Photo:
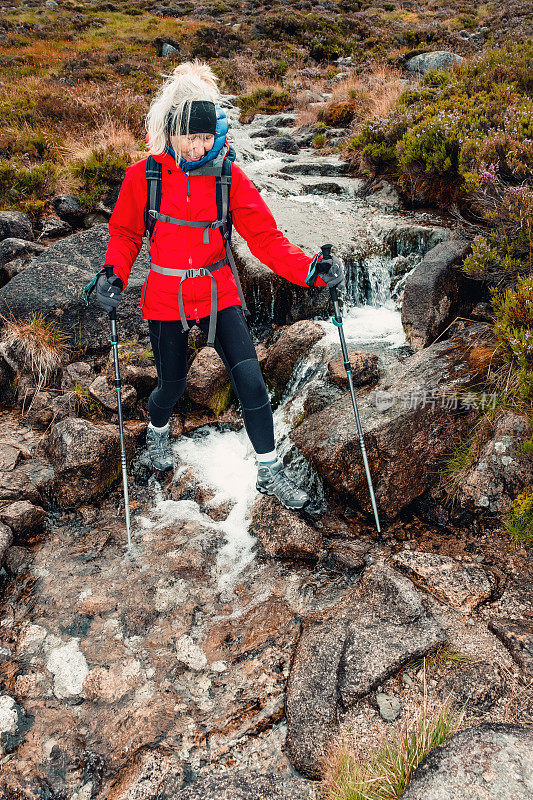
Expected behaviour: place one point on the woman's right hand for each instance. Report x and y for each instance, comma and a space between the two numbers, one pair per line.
108, 291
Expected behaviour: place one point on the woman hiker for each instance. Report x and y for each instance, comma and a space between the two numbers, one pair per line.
191, 279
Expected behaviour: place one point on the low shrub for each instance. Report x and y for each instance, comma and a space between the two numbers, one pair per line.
519, 520
263, 100
513, 313
101, 169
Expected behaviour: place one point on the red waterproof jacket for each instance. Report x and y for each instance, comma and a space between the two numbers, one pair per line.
194, 198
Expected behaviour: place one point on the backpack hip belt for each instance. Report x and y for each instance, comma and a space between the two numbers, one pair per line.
185, 274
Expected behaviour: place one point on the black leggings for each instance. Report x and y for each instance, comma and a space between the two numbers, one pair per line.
234, 345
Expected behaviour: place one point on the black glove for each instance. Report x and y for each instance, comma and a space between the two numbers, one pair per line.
331, 271
108, 291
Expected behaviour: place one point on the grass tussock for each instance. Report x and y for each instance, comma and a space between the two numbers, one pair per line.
519, 521
384, 772
37, 345
440, 658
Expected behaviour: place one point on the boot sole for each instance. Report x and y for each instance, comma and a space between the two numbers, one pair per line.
289, 508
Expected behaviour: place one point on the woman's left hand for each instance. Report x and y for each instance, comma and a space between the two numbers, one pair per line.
331, 270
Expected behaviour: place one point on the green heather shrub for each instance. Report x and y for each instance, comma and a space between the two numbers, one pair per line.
103, 168
263, 100
508, 246
23, 188
319, 140
519, 520
440, 138
513, 313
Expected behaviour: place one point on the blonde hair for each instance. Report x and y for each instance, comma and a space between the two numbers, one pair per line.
192, 80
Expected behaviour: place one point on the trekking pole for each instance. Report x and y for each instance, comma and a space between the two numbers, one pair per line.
118, 386
337, 321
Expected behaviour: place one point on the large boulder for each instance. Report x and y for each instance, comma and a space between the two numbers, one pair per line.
490, 762
19, 251
208, 382
346, 652
53, 284
437, 291
86, 458
437, 59
406, 425
501, 470
15, 225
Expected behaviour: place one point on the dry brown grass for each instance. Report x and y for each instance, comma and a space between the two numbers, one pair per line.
373, 94
37, 345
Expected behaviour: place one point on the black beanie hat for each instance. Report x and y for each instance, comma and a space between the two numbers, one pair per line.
203, 118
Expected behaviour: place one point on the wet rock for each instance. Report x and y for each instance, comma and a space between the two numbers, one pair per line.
53, 284
461, 585
208, 382
69, 209
364, 369
282, 144
69, 667
501, 470
384, 196
347, 557
22, 516
154, 773
346, 652
86, 458
77, 374
389, 707
17, 559
329, 166
106, 395
406, 425
15, 225
517, 636
478, 686
320, 396
437, 59
6, 540
436, 292
48, 407
248, 786
291, 345
282, 533
19, 250
53, 227
489, 762
12, 724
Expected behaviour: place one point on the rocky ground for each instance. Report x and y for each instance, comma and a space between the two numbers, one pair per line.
226, 651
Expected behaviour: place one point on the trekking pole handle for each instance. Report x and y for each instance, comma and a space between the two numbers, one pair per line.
109, 274
326, 253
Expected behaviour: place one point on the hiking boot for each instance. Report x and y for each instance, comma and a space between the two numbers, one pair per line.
272, 480
159, 449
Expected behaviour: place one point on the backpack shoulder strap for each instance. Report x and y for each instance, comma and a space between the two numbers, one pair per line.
223, 188
153, 182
